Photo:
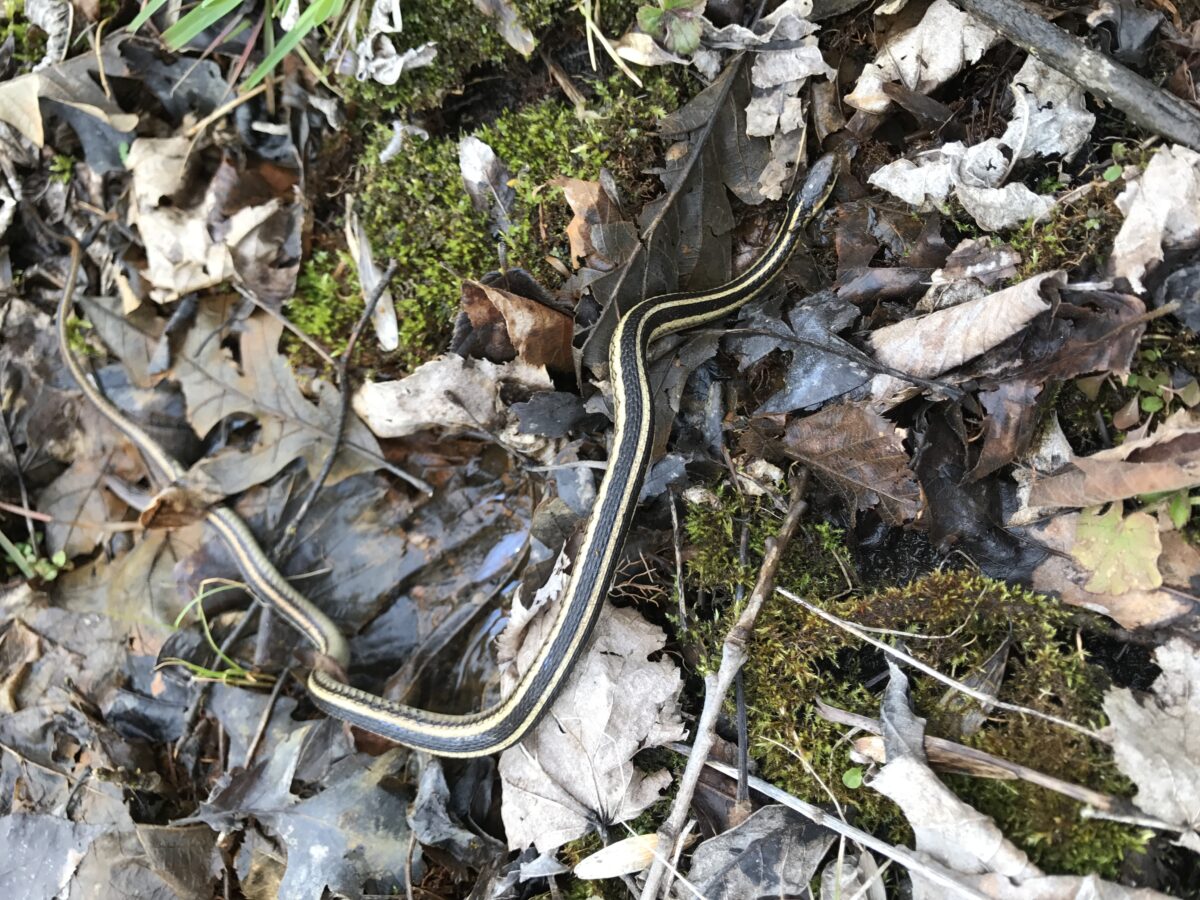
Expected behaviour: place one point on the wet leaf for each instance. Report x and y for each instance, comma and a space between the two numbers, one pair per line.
862, 455
774, 853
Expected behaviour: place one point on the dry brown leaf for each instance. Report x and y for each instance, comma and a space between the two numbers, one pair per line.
592, 206
1060, 575
525, 328
1011, 411
1165, 461
863, 455
929, 345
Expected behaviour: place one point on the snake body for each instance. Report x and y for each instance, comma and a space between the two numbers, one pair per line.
500, 726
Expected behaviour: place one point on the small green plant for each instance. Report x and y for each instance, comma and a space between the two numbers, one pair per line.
676, 24
62, 167
234, 673
25, 558
209, 12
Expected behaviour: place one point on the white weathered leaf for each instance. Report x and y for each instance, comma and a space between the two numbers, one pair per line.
924, 56
577, 765
1162, 209
1050, 115
1156, 740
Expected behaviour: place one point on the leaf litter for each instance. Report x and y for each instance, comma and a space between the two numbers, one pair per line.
923, 357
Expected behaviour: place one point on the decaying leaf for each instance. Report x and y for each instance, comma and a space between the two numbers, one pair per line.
976, 174
1120, 551
523, 328
774, 853
1162, 210
1050, 115
508, 22
577, 765
923, 57
189, 247
862, 454
449, 393
1156, 739
486, 179
927, 346
1165, 461
263, 386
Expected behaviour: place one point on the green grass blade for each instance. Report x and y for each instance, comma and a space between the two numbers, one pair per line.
151, 7
203, 16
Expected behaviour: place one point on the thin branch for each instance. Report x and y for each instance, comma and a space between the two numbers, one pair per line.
901, 855
985, 699
716, 687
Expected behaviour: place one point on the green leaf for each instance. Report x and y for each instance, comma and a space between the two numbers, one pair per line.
315, 15
1120, 552
683, 36
1112, 173
649, 19
199, 19
1151, 404
1179, 508
151, 7
853, 777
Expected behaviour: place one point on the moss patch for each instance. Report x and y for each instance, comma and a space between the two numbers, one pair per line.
29, 40
416, 210
468, 41
798, 657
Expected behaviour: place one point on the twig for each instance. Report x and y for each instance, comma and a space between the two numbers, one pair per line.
1146, 105
733, 656
265, 720
293, 527
983, 698
901, 855
945, 753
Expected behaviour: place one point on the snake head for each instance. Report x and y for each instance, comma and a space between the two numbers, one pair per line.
817, 187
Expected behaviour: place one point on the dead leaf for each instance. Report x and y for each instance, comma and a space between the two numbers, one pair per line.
450, 393
921, 57
80, 506
1121, 552
1050, 115
576, 766
592, 206
1165, 461
486, 179
535, 334
507, 20
1156, 739
1162, 210
862, 454
774, 853
1009, 427
927, 346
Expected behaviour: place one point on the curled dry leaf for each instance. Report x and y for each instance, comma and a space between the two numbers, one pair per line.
1165, 461
862, 455
1156, 740
1162, 210
532, 332
592, 206
576, 766
927, 346
1050, 114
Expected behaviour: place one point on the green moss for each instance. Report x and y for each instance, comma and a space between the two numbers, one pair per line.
29, 40
467, 40
416, 210
797, 657
327, 303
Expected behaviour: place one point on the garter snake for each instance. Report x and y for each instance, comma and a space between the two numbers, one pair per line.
502, 725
